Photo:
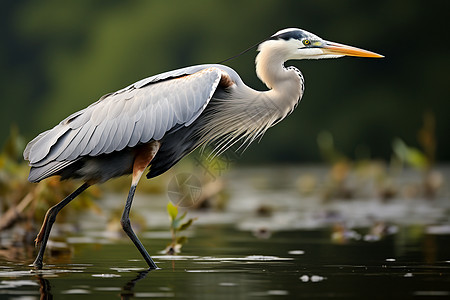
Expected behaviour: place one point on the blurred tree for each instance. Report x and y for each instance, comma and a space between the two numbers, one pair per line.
58, 57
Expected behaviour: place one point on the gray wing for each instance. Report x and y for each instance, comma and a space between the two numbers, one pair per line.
139, 113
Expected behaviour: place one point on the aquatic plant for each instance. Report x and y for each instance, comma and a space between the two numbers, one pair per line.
176, 226
422, 159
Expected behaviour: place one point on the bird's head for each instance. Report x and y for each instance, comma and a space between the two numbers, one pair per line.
294, 43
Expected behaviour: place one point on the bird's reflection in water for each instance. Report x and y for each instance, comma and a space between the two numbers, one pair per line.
127, 290
126, 293
44, 288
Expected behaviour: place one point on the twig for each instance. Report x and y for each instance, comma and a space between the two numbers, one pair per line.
14, 212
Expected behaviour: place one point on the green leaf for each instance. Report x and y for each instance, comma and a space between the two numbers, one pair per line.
182, 216
181, 240
186, 225
417, 158
400, 149
410, 155
176, 224
173, 211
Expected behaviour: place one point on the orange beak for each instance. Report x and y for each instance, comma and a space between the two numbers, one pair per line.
340, 49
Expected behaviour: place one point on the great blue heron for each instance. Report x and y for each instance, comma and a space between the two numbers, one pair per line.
157, 121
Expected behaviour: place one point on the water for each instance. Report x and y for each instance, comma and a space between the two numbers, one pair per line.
266, 244
235, 264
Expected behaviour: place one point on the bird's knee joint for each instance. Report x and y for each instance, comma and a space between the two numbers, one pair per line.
126, 225
51, 215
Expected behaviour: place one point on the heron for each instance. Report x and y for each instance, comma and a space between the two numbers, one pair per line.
155, 122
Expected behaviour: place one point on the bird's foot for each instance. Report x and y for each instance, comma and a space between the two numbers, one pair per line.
37, 264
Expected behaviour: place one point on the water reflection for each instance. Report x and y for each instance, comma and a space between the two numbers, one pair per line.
289, 264
45, 288
269, 243
127, 291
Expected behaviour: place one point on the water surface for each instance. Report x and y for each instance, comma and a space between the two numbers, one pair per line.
295, 247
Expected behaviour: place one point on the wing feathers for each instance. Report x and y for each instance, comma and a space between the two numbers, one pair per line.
37, 174
109, 138
59, 147
139, 113
127, 133
148, 126
98, 139
157, 122
41, 147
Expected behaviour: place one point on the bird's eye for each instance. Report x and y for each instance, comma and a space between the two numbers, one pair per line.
306, 42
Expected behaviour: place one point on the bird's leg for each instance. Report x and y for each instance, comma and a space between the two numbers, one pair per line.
40, 235
125, 221
50, 217
143, 158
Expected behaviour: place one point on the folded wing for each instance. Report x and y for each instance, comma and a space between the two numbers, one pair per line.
139, 113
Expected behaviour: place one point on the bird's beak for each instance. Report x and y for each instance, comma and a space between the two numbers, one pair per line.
340, 49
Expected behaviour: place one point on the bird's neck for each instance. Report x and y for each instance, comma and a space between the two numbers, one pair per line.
285, 84
270, 69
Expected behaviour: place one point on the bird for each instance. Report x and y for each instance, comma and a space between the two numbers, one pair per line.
153, 123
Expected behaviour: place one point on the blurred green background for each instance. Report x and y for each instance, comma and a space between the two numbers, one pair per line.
59, 56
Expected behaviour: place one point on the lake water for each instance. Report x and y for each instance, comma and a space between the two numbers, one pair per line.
271, 241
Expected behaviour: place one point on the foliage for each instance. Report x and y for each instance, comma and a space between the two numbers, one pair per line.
176, 226
410, 155
26, 203
54, 64
422, 159
348, 178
